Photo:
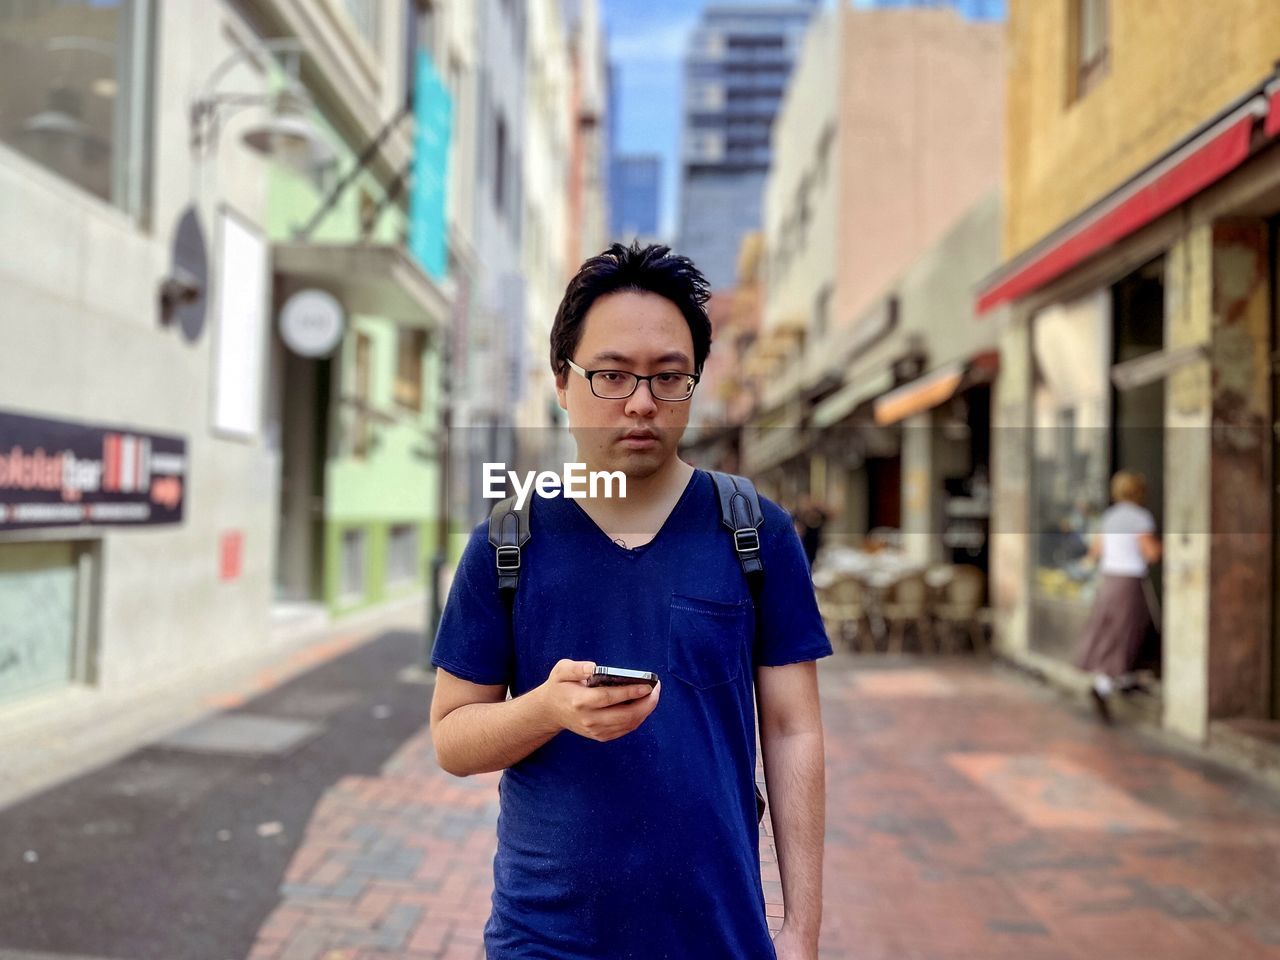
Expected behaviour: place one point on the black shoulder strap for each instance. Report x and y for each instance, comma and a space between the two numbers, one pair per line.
508, 532
740, 512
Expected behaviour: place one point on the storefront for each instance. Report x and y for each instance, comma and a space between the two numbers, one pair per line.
61, 485
1140, 336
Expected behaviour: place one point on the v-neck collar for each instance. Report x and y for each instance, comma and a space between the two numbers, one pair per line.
643, 549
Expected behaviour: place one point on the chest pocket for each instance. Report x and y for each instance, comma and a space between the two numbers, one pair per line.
707, 640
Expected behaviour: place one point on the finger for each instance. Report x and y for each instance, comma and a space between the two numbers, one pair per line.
622, 694
571, 670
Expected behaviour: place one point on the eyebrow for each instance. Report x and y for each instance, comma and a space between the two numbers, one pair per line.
612, 356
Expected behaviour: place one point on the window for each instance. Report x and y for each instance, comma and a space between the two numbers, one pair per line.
362, 432
1071, 410
420, 34
500, 165
822, 312
411, 344
1089, 45
402, 554
44, 623
77, 99
364, 16
351, 572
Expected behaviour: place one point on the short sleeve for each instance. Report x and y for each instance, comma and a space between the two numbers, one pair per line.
788, 626
474, 638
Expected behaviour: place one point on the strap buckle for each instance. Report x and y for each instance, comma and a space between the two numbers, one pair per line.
508, 558
746, 540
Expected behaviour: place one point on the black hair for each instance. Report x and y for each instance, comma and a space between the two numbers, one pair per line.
651, 269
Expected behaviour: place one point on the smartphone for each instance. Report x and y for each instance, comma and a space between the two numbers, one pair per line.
618, 677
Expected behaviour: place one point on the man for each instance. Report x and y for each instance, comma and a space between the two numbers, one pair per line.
628, 816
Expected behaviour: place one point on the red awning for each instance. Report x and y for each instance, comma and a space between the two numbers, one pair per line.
1186, 172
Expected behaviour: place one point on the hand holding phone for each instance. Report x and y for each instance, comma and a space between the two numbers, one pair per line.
618, 677
600, 703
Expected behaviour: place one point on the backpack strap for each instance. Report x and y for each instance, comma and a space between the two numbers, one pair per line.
508, 533
741, 514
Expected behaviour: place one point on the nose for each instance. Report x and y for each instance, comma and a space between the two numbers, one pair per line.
641, 403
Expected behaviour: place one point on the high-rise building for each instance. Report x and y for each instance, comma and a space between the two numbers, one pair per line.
736, 69
634, 196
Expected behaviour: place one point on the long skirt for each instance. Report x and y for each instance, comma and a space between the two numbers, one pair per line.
1117, 626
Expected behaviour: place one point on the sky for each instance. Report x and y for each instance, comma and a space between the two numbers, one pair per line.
647, 41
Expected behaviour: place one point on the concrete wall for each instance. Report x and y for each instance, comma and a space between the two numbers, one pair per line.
921, 120
1173, 64
84, 340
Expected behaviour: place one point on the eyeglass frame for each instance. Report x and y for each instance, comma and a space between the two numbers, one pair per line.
588, 374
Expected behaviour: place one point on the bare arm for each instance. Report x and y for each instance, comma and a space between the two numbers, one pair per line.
475, 729
1150, 546
791, 741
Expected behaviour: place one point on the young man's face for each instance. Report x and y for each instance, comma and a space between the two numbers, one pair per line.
640, 333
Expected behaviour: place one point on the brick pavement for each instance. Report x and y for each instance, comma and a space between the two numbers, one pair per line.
970, 815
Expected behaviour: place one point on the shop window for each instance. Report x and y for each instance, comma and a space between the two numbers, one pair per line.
43, 617
402, 554
1089, 44
351, 573
411, 344
1071, 461
77, 93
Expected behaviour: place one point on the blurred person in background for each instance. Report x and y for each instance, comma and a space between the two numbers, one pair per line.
1124, 548
810, 517
629, 828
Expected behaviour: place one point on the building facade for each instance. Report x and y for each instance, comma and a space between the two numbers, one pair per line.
1137, 312
588, 198
876, 222
735, 72
233, 454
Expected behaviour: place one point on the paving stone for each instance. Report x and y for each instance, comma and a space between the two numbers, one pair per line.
968, 816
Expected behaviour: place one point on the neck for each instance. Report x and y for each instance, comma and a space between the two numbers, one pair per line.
663, 483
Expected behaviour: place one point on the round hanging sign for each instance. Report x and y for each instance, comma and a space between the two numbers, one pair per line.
311, 323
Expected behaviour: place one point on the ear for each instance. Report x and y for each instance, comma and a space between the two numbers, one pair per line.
562, 390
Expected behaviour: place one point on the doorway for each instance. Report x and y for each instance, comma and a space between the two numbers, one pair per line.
1137, 436
304, 444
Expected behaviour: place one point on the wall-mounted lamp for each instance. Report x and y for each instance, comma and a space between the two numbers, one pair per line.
288, 134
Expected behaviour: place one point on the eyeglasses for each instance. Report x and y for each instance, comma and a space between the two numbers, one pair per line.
669, 385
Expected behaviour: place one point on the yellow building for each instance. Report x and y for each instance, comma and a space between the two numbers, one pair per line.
1137, 316
1100, 89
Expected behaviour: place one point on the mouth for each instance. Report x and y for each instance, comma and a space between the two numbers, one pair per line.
639, 439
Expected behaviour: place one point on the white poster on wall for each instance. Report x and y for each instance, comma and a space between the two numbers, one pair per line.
242, 328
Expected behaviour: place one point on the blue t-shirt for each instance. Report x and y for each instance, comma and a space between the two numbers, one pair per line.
646, 846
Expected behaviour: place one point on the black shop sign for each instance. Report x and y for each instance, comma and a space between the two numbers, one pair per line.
55, 473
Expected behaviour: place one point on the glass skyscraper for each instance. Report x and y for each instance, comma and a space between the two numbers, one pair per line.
735, 74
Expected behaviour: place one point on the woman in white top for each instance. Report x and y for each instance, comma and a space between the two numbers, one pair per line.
1124, 548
